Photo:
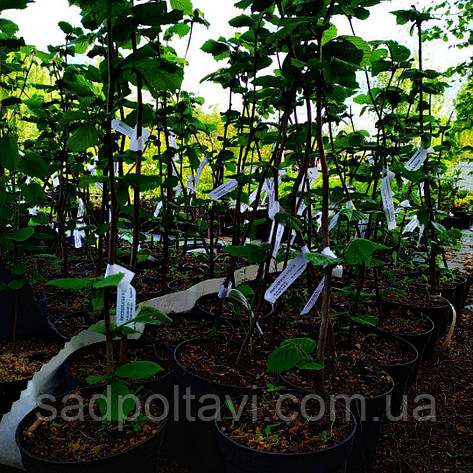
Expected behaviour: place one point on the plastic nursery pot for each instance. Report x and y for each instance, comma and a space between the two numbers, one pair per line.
161, 384
369, 427
240, 458
440, 315
456, 294
76, 319
195, 442
199, 308
193, 276
9, 393
188, 325
401, 373
142, 457
419, 340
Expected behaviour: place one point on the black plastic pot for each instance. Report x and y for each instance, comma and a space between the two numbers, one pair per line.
239, 458
369, 424
197, 443
419, 340
31, 322
456, 294
143, 457
401, 373
440, 316
161, 385
198, 309
9, 393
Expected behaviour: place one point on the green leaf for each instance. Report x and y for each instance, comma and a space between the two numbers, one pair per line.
183, 5
16, 284
14, 4
309, 364
254, 253
96, 379
83, 138
33, 165
109, 281
284, 358
238, 297
138, 370
9, 157
21, 235
305, 344
152, 316
318, 259
366, 319
72, 283
361, 251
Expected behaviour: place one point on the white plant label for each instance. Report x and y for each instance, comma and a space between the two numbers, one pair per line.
337, 272
116, 269
157, 210
387, 198
421, 233
333, 222
294, 269
224, 291
178, 191
418, 159
126, 293
122, 128
136, 142
313, 299
202, 165
77, 239
422, 189
273, 208
190, 184
279, 235
224, 189
412, 225
251, 199
55, 179
126, 305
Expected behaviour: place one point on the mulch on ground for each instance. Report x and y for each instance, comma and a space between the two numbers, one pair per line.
443, 445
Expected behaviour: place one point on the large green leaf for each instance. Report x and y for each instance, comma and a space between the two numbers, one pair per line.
361, 251
9, 157
109, 281
318, 259
183, 5
284, 358
71, 283
138, 370
14, 4
22, 234
33, 165
83, 138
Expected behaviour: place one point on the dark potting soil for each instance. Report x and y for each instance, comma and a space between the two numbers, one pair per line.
211, 304
93, 362
72, 324
24, 359
215, 362
403, 322
371, 348
184, 328
416, 297
87, 439
298, 436
348, 377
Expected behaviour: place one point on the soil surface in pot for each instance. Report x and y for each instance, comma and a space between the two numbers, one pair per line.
404, 322
372, 348
87, 439
93, 362
298, 436
215, 362
347, 377
24, 359
184, 328
72, 324
211, 304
